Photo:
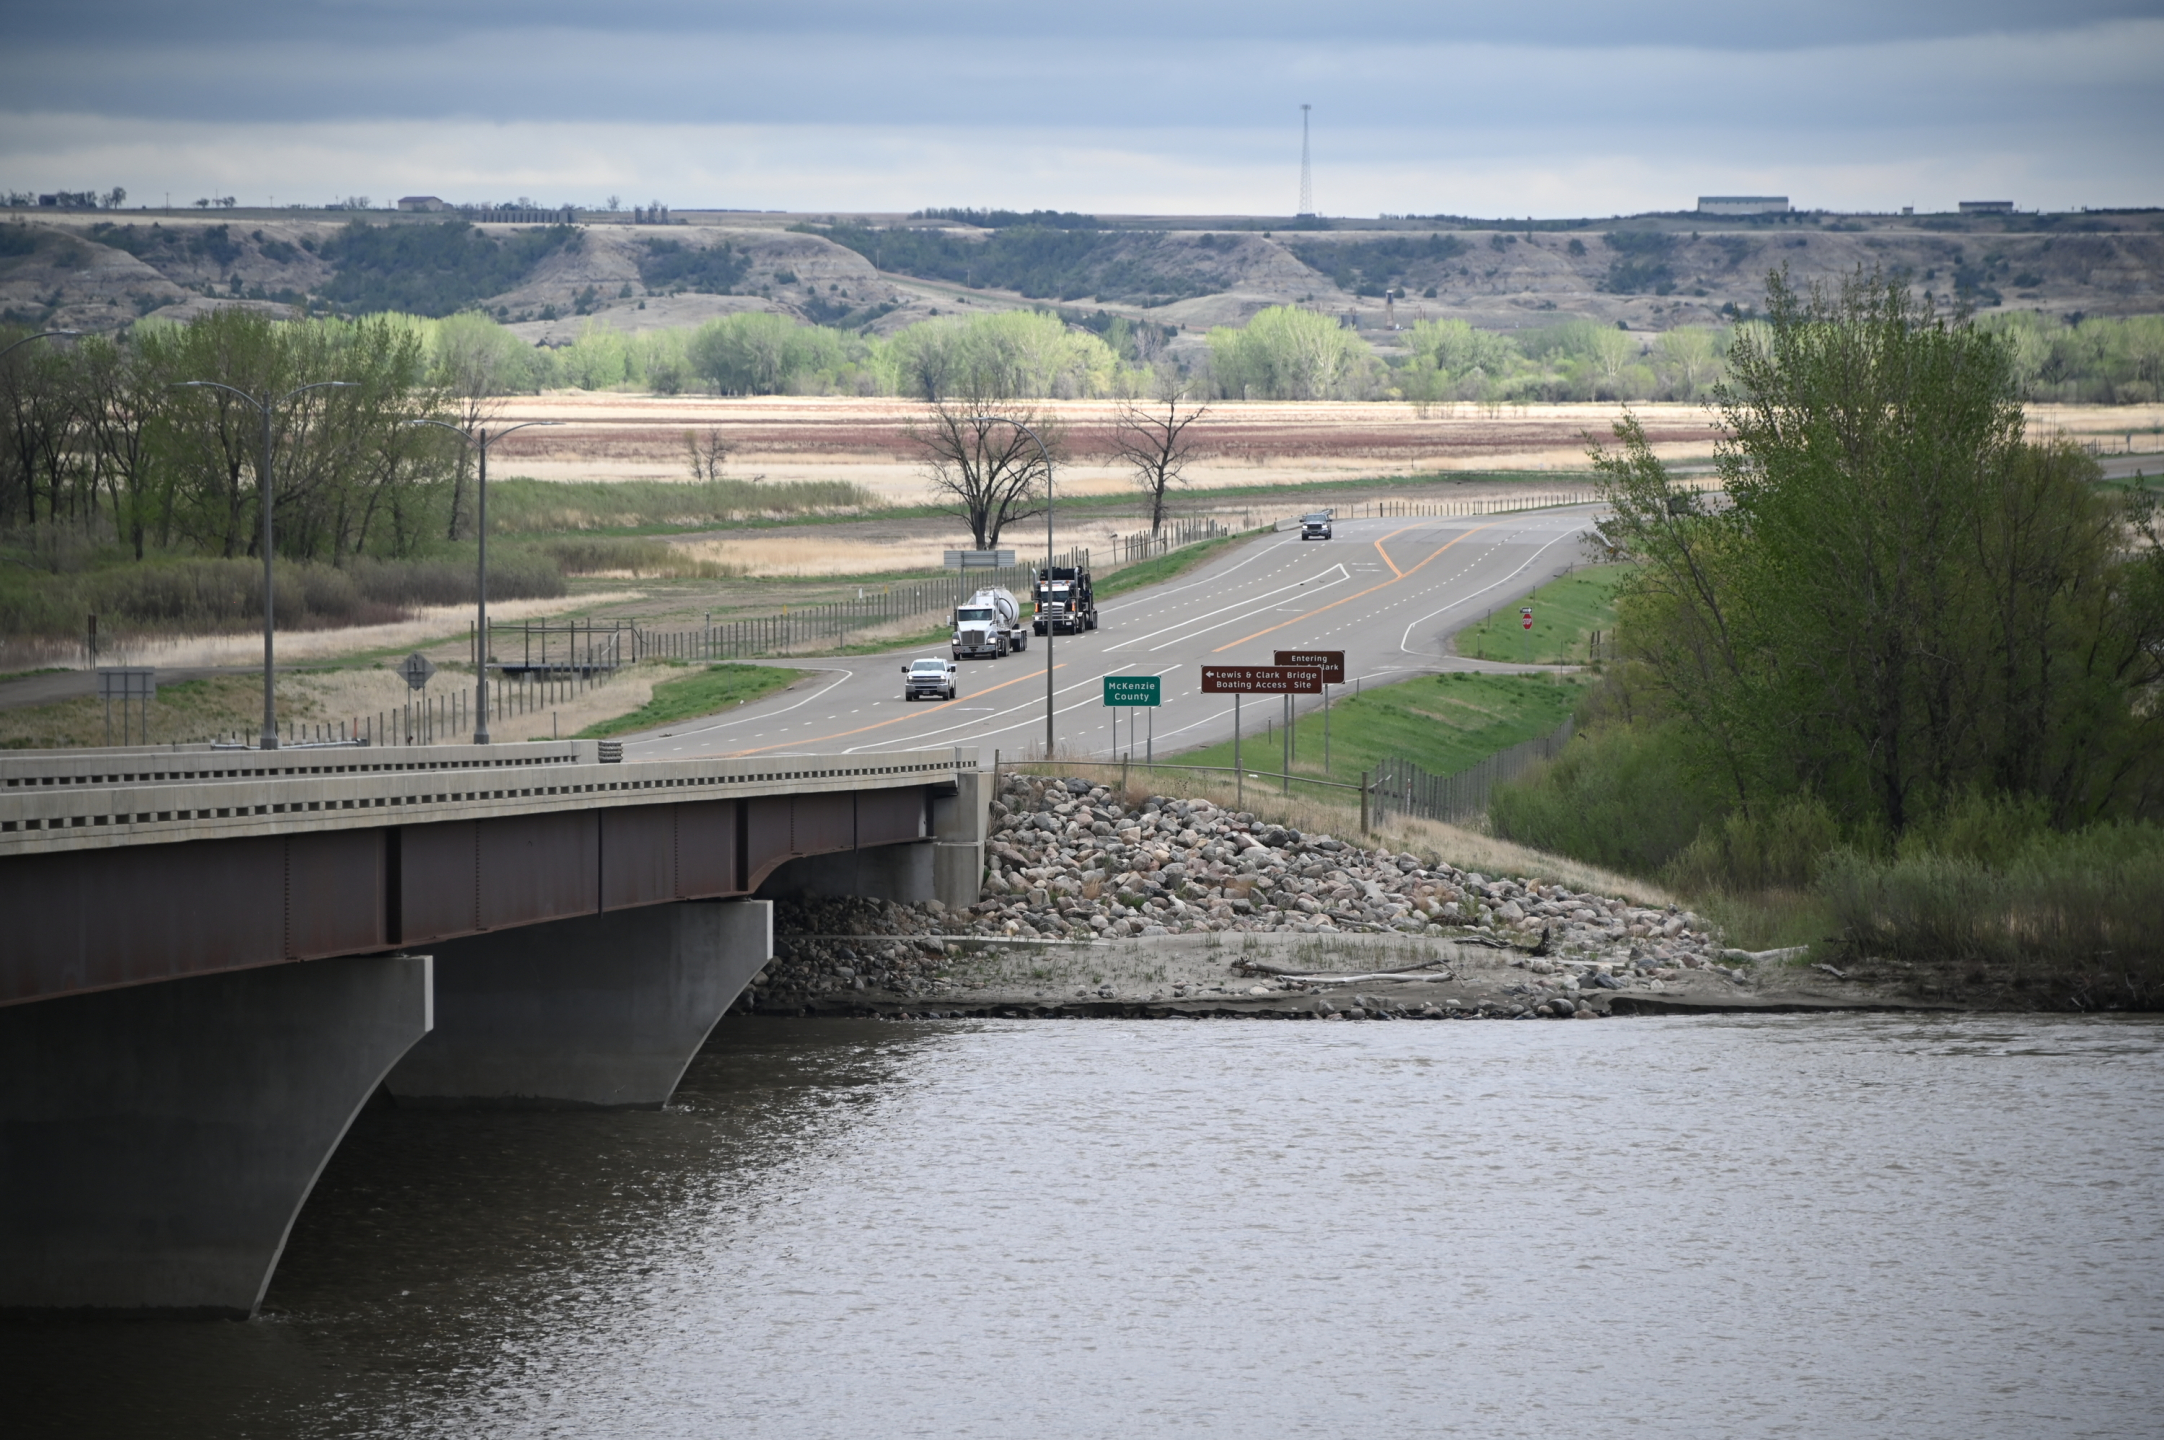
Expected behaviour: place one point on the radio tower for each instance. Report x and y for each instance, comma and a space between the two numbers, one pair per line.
1307, 180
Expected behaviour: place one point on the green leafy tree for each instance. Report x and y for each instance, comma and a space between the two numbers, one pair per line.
758, 353
1902, 602
1286, 353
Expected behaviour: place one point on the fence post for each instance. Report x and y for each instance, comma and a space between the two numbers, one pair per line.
1363, 802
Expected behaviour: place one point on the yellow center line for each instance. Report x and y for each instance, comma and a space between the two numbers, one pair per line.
1394, 579
881, 725
1395, 572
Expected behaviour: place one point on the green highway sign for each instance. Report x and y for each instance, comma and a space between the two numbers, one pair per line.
1133, 690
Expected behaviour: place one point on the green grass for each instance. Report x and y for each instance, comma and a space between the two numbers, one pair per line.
1168, 566
1566, 614
714, 688
1441, 723
519, 506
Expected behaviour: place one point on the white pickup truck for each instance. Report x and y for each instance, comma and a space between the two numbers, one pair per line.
933, 678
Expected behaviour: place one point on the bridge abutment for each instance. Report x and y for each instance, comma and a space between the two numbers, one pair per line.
948, 866
960, 822
156, 1142
600, 1010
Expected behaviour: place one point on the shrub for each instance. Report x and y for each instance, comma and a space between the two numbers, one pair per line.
1623, 798
1778, 850
2075, 913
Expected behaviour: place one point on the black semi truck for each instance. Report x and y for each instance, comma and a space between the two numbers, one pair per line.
1065, 605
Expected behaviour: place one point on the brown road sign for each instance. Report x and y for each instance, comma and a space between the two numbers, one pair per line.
1260, 680
1330, 662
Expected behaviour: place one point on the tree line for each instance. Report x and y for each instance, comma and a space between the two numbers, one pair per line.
103, 431
1281, 353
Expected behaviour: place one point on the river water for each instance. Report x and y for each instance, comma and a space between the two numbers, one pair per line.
1852, 1226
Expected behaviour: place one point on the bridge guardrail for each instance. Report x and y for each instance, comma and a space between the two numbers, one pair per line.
42, 820
144, 765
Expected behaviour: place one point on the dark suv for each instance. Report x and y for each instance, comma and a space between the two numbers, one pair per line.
1315, 526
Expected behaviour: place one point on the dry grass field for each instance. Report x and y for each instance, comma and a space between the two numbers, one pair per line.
611, 436
608, 436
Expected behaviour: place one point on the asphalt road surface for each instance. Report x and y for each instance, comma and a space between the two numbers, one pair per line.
1387, 592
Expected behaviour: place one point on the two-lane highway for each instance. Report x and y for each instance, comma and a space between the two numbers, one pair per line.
1387, 592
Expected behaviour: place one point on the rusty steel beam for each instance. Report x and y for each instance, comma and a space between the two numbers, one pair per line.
99, 918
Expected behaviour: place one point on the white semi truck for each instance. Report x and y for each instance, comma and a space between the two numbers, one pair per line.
989, 623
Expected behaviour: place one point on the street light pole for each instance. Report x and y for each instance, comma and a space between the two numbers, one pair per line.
1046, 455
481, 440
41, 335
267, 407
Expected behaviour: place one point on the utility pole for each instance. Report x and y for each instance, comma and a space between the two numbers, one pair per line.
1307, 185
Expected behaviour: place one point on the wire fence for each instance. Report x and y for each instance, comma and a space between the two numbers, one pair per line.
1127, 549
444, 714
554, 648
1387, 509
1402, 788
1392, 509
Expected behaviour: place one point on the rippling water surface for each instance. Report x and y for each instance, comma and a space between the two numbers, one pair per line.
1813, 1227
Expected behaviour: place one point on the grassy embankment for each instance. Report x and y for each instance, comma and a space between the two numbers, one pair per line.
1570, 616
708, 691
1442, 723
190, 711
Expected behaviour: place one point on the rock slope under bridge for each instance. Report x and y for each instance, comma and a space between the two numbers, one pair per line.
1098, 907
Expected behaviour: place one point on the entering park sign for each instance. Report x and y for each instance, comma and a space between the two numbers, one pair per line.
1133, 689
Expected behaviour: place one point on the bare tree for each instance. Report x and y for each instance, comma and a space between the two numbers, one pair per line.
707, 454
982, 469
1152, 438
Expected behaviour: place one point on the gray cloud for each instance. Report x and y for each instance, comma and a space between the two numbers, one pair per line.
1707, 24
766, 76
1666, 90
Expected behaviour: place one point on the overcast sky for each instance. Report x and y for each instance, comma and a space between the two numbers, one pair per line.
1574, 107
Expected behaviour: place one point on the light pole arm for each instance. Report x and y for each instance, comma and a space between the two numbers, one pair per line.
41, 335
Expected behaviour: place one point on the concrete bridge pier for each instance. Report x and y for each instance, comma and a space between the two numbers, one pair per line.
156, 1142
599, 1010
